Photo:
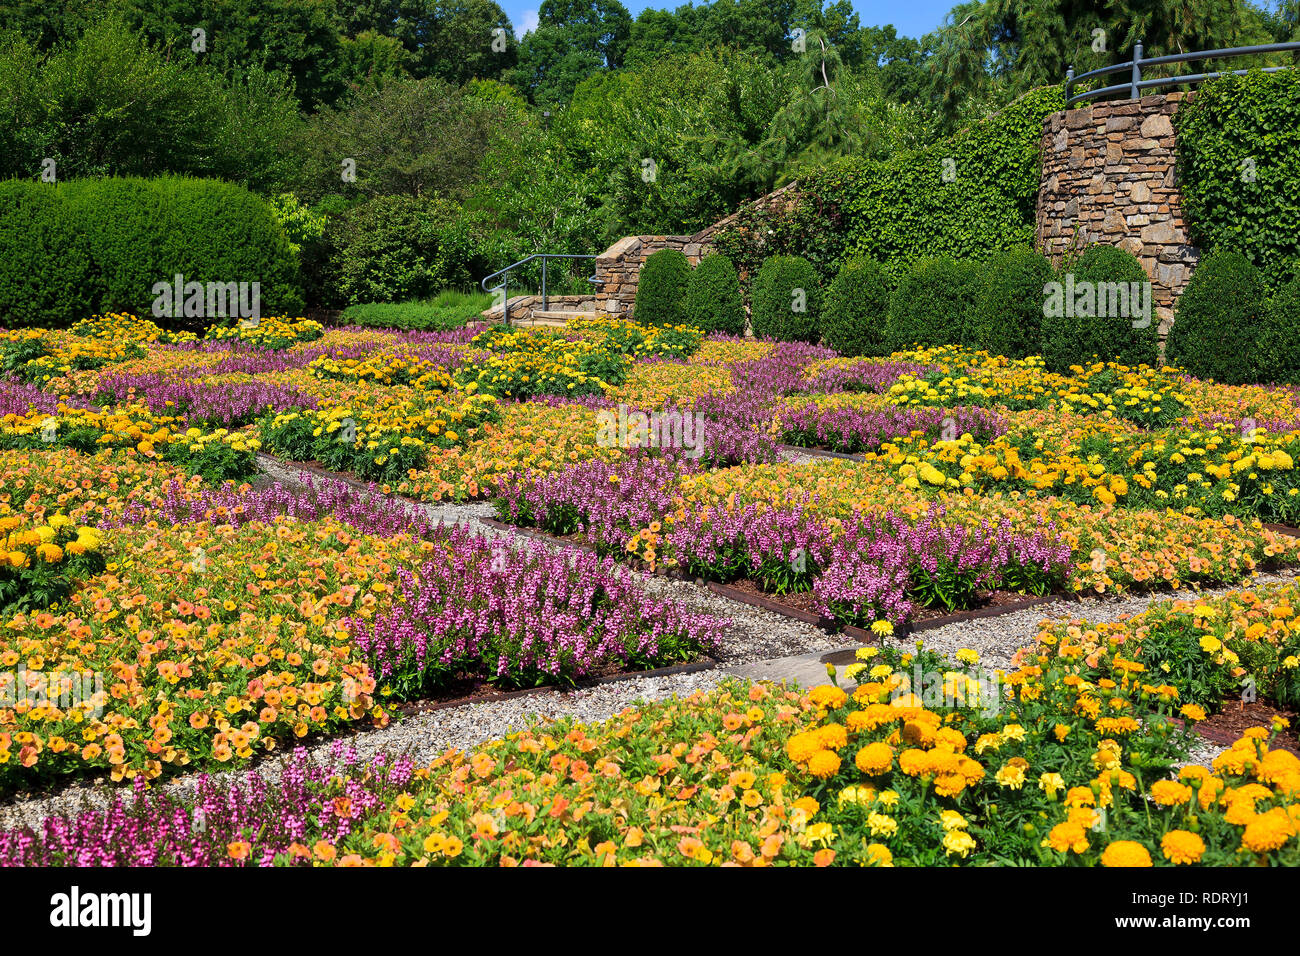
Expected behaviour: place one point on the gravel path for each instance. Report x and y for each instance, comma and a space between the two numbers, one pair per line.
755, 635
424, 736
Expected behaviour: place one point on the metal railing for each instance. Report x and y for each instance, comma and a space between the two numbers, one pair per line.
1136, 84
504, 275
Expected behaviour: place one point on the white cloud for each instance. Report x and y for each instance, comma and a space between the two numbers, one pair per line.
528, 26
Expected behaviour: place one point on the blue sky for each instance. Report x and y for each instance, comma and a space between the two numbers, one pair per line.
913, 18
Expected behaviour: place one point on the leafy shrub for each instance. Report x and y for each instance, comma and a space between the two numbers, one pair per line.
787, 300
1073, 338
966, 196
713, 299
1218, 316
661, 289
932, 303
392, 249
1007, 316
1277, 346
46, 274
1239, 168
857, 309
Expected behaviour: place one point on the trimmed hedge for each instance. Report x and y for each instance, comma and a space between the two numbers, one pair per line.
966, 196
100, 245
661, 289
1239, 168
713, 299
1277, 348
787, 301
1072, 337
1218, 319
857, 309
1007, 316
46, 273
932, 303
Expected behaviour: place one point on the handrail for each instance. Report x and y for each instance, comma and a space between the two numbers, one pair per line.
505, 278
1136, 84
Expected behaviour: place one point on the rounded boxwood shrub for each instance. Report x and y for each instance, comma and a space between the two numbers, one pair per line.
47, 277
713, 299
787, 301
661, 289
1218, 316
1007, 316
1089, 311
857, 308
1277, 344
932, 303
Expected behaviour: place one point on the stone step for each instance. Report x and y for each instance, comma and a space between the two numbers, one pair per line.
561, 316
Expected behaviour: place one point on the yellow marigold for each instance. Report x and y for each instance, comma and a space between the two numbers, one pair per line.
1170, 793
959, 842
832, 736
1068, 836
801, 746
828, 696
824, 764
1268, 831
1125, 853
878, 855
1012, 774
914, 763
875, 759
1182, 846
1192, 712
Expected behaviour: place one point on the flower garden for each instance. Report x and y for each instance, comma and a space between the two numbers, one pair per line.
232, 620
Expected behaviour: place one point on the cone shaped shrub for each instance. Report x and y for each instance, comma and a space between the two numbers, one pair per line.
661, 289
713, 299
1277, 346
1218, 320
932, 303
787, 300
1099, 305
857, 309
1008, 313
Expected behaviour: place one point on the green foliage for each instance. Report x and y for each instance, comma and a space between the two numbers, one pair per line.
1239, 165
966, 196
1076, 339
857, 309
448, 310
787, 301
661, 289
713, 299
1218, 319
108, 103
413, 137
46, 273
1277, 346
1008, 312
392, 249
100, 245
302, 225
933, 303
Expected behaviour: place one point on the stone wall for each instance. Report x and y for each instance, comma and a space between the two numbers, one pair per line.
619, 266
1109, 176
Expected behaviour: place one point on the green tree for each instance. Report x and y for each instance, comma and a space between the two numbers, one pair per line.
573, 40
